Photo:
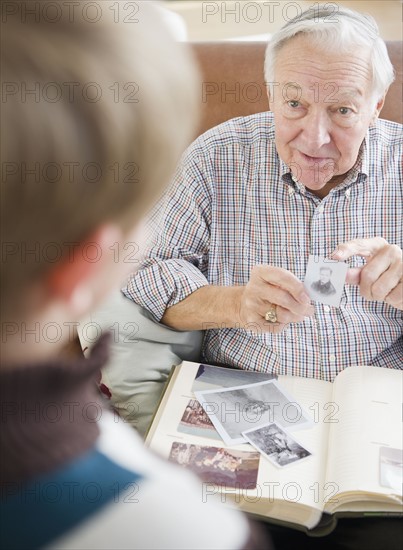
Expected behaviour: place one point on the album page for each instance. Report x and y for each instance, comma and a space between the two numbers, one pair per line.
365, 444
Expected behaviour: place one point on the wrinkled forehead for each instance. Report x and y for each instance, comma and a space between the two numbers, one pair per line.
302, 65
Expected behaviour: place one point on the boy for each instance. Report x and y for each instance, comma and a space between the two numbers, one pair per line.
96, 109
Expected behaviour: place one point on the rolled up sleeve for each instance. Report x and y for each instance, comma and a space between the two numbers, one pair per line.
176, 262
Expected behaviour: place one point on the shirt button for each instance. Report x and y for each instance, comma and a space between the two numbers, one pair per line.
347, 193
326, 309
332, 358
290, 191
320, 209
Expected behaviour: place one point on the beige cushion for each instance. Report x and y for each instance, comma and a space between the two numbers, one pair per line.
142, 354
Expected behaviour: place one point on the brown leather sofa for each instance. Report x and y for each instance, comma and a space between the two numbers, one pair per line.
233, 81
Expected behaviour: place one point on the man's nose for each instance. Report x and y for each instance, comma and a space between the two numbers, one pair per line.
316, 131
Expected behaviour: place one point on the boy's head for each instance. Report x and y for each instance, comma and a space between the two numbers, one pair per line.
97, 108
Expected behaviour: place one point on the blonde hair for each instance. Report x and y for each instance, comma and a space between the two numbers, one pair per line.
95, 115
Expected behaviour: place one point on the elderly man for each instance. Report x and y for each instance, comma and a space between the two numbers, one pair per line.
255, 196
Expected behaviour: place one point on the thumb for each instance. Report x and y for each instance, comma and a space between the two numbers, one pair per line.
353, 276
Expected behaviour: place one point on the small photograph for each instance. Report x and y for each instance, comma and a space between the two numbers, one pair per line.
391, 468
225, 467
209, 377
276, 444
324, 280
235, 410
196, 422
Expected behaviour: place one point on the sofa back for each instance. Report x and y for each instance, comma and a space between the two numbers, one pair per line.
233, 81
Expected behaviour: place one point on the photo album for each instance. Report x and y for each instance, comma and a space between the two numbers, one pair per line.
295, 451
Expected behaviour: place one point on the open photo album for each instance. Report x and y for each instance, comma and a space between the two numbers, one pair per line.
291, 450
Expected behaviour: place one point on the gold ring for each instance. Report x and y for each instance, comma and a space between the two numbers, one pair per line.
271, 315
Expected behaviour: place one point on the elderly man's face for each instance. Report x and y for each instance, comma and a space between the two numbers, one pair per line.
323, 108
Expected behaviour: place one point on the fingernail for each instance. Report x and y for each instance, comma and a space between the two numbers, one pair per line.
304, 298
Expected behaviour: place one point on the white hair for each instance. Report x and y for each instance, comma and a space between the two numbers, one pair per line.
339, 29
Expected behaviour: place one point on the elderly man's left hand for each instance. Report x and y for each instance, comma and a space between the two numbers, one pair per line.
381, 277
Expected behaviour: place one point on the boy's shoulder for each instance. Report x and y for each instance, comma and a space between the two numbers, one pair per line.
118, 494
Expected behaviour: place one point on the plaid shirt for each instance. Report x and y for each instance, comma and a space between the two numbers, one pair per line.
234, 204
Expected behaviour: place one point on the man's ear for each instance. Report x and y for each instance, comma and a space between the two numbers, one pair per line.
378, 108
76, 281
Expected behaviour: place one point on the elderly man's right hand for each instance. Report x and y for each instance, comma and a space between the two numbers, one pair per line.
273, 289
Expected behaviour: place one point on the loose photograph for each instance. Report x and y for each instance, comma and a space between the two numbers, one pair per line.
391, 468
209, 377
195, 421
277, 445
324, 280
235, 410
225, 467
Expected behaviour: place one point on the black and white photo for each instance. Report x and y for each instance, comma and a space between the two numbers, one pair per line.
276, 444
234, 410
324, 284
324, 280
209, 377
